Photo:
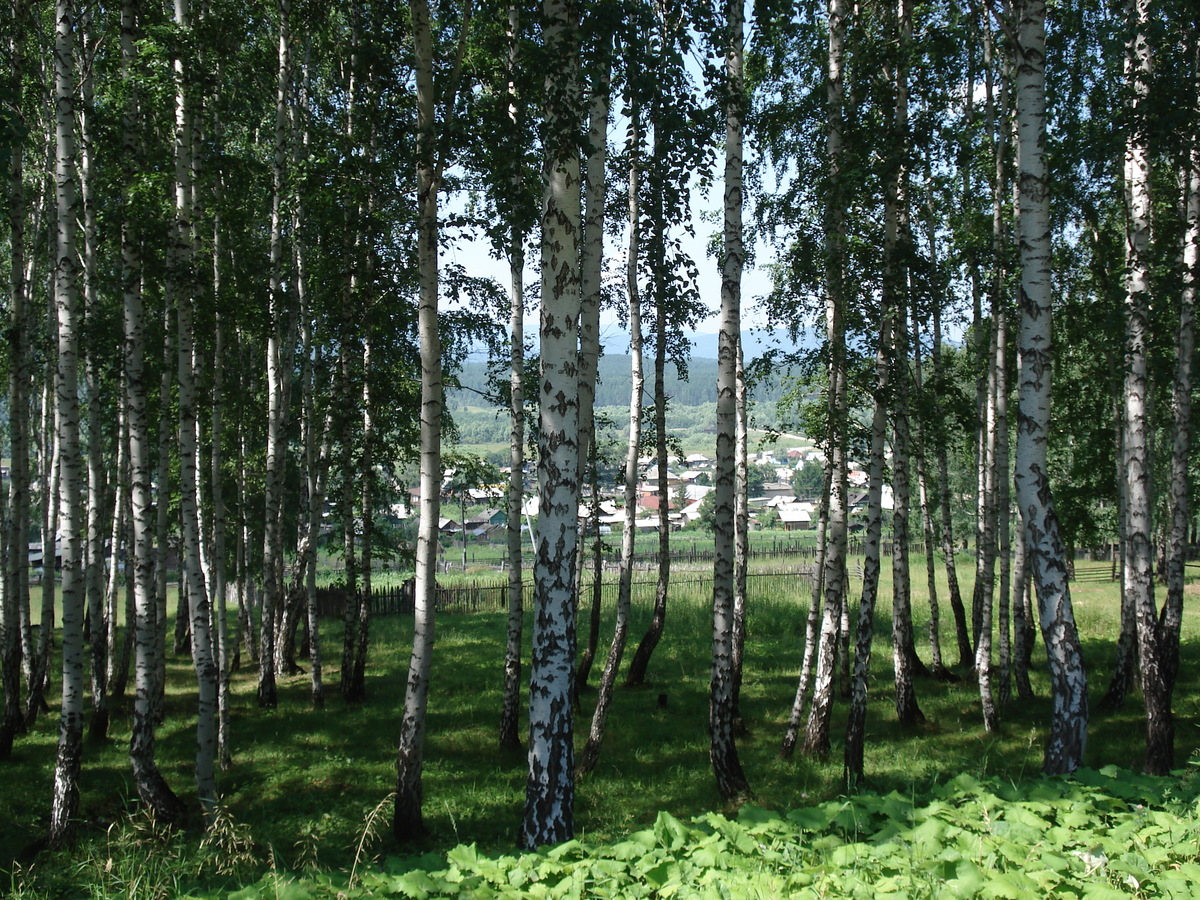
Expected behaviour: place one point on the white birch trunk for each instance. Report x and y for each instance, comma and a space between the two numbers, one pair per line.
590, 270
65, 801
407, 822
1068, 680
272, 602
833, 573
896, 235
591, 751
722, 750
550, 787
510, 712
16, 640
98, 634
152, 788
865, 628
1138, 577
1181, 406
182, 286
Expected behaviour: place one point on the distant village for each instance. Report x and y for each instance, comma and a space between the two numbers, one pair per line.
689, 480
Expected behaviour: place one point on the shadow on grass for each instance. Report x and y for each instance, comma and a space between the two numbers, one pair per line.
304, 781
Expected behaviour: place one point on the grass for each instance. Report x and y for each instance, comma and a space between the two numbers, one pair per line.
305, 781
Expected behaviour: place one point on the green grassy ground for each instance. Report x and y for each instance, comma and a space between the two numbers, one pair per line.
304, 781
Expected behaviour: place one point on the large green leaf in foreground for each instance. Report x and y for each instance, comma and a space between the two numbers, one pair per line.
1099, 834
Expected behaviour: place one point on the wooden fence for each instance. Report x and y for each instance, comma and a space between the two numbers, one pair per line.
487, 594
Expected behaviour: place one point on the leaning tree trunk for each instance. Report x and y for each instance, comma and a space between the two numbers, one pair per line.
591, 751
639, 664
924, 502
1068, 680
961, 632
941, 532
791, 733
857, 720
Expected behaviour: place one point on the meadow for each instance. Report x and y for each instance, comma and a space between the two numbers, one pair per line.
307, 794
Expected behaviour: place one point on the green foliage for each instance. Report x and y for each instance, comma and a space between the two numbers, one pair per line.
1099, 834
305, 781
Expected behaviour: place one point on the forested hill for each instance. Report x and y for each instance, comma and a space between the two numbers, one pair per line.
613, 384
700, 386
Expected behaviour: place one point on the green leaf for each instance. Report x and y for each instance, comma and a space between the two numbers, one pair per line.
465, 856
659, 875
1015, 885
1099, 890
846, 856
968, 879
809, 818
416, 884
670, 831
567, 849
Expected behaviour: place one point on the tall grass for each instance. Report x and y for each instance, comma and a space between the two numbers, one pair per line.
305, 781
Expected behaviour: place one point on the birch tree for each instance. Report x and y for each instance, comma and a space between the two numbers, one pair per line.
722, 750
15, 597
816, 737
550, 786
182, 287
510, 708
591, 750
152, 787
1068, 681
895, 281
1138, 568
65, 802
407, 822
1181, 398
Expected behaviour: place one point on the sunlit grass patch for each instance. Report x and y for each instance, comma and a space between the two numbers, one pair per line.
304, 781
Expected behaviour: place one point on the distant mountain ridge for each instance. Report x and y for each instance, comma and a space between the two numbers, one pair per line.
614, 378
755, 342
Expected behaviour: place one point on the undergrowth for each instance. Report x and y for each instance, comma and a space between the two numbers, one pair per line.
305, 782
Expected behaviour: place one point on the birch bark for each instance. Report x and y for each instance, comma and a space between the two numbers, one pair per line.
722, 751
152, 787
1138, 577
408, 821
1068, 680
65, 802
550, 786
510, 712
816, 737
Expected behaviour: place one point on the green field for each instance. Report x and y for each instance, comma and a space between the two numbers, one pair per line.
304, 782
